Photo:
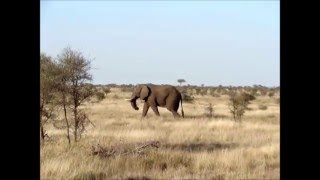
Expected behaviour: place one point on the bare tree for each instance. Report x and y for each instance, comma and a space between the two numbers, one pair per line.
75, 74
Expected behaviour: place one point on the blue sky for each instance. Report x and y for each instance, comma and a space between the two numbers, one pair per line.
206, 42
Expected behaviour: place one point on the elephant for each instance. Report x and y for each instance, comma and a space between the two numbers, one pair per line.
157, 95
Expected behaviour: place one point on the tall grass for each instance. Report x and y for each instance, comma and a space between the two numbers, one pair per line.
195, 147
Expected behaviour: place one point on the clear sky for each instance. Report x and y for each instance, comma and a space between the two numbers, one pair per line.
208, 42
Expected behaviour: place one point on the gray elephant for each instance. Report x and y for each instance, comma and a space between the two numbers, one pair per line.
157, 95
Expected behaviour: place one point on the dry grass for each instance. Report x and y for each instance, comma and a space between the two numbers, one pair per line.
192, 148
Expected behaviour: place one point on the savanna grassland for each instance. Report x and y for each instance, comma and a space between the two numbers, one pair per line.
196, 147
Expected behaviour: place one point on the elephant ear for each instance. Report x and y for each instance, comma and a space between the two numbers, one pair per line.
144, 93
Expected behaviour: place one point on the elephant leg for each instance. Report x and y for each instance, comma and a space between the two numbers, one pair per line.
155, 110
173, 110
175, 114
145, 109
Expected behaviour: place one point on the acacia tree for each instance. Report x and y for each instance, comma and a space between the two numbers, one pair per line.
181, 81
239, 104
47, 89
74, 77
63, 90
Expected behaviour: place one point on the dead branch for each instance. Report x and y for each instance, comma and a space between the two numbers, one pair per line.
116, 151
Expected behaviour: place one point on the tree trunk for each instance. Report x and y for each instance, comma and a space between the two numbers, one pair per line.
75, 113
41, 124
75, 124
65, 117
42, 134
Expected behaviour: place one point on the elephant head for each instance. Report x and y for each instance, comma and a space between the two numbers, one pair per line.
140, 91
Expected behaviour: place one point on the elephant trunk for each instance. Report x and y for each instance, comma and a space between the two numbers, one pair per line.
133, 103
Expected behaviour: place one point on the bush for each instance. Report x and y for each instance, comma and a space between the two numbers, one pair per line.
115, 96
209, 111
263, 92
100, 95
271, 94
187, 98
239, 104
254, 92
204, 92
263, 107
198, 91
214, 94
225, 92
248, 97
107, 90
126, 89
191, 93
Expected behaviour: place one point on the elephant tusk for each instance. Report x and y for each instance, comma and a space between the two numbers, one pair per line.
127, 99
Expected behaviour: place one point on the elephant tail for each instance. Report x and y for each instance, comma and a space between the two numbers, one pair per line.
182, 113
